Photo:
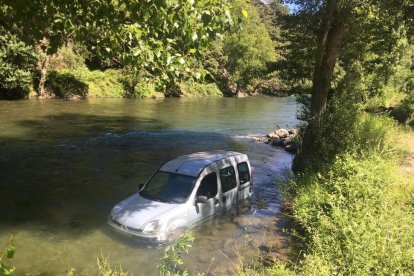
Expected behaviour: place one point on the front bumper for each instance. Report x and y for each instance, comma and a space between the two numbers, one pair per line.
125, 230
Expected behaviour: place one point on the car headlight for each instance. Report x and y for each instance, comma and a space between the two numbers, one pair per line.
151, 227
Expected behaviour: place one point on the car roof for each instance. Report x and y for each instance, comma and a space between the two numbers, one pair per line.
193, 164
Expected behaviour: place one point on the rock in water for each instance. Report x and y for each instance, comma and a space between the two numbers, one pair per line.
282, 133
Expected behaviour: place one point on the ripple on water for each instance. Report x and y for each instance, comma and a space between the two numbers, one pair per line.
61, 173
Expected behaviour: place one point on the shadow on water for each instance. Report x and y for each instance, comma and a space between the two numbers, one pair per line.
68, 178
63, 165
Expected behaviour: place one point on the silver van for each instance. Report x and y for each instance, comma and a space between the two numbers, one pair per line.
183, 192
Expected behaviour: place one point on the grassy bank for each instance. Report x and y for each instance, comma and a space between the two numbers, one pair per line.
354, 216
84, 83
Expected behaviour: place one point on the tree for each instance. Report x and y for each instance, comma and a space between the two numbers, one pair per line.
243, 54
149, 37
348, 32
17, 64
43, 24
159, 39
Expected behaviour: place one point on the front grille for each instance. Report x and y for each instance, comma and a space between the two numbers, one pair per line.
124, 226
133, 229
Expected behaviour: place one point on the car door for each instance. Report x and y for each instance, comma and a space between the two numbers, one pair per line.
209, 188
228, 186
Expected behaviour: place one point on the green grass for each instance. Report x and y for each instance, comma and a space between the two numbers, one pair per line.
354, 215
83, 82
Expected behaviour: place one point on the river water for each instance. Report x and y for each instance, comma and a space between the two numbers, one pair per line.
64, 165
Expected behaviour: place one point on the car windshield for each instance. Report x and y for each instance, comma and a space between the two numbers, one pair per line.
168, 187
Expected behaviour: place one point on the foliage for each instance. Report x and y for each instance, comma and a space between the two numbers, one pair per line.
105, 269
104, 84
157, 39
70, 56
243, 55
346, 128
85, 83
297, 50
7, 255
375, 56
140, 89
271, 14
172, 258
154, 39
17, 64
404, 111
353, 220
65, 85
197, 89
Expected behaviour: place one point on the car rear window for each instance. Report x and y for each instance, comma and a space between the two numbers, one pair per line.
244, 174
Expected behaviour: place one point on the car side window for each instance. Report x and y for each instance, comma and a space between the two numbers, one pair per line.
208, 186
228, 179
244, 174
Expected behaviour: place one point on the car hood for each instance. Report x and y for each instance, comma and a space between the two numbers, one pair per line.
136, 211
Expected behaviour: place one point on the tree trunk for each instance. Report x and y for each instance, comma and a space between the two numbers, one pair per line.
331, 34
43, 66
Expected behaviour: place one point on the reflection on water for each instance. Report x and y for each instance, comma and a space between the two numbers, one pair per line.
63, 165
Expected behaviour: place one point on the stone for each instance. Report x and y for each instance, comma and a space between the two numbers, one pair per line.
272, 135
282, 133
293, 131
278, 142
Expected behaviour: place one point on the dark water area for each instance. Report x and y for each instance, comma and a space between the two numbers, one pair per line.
64, 165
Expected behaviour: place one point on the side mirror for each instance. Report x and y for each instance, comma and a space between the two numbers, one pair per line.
201, 199
140, 186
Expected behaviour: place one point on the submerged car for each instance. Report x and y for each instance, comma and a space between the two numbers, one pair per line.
183, 192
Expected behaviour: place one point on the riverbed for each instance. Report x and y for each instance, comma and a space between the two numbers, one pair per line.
64, 165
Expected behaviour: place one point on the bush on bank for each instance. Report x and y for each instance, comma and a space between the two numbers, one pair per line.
354, 215
17, 64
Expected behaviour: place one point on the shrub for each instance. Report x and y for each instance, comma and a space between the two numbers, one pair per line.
404, 112
353, 222
17, 64
172, 258
140, 89
103, 84
355, 213
65, 85
70, 56
196, 89
85, 83
346, 129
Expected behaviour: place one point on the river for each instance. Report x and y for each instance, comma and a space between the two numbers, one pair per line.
64, 165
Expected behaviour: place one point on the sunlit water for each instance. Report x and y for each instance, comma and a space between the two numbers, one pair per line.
64, 165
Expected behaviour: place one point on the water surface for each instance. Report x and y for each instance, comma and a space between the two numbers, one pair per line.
64, 165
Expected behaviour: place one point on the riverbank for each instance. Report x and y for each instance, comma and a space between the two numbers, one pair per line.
354, 216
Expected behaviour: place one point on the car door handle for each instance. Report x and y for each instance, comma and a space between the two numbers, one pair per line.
216, 202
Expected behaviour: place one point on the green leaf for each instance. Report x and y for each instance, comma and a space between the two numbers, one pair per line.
5, 270
206, 18
10, 252
245, 14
